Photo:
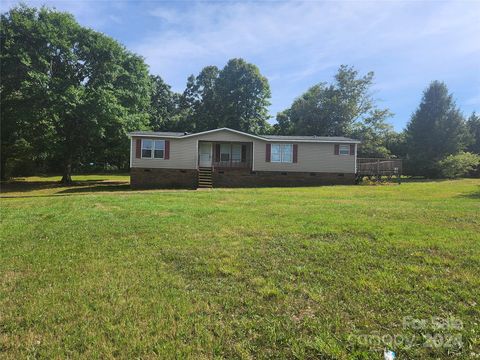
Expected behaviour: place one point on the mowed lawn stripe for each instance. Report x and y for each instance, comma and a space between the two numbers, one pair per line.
243, 273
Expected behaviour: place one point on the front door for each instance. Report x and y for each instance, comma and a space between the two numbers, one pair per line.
205, 154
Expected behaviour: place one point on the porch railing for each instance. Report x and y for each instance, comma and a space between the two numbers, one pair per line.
379, 167
232, 164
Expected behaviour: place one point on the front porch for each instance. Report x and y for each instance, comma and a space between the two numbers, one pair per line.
225, 155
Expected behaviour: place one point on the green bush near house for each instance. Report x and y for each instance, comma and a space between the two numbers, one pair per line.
458, 165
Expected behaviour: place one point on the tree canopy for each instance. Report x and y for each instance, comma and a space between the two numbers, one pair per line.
473, 125
67, 91
343, 108
243, 97
436, 129
235, 97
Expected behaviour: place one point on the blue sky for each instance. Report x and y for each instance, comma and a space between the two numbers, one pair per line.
298, 44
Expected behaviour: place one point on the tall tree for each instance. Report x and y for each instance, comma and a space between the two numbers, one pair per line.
242, 97
396, 144
235, 96
23, 104
204, 99
284, 125
163, 106
169, 111
473, 124
374, 133
343, 108
436, 129
87, 91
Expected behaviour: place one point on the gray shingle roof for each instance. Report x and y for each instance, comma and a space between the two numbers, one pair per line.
294, 137
264, 137
157, 133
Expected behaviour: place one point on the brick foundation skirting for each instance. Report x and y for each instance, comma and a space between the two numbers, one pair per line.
141, 178
247, 178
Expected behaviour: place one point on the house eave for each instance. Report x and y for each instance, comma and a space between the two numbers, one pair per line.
258, 137
130, 135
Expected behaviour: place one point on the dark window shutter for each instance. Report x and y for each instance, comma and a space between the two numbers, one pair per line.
244, 153
337, 149
217, 152
138, 149
352, 149
295, 153
268, 152
166, 156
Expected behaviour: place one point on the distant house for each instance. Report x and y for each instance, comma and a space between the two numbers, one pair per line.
231, 158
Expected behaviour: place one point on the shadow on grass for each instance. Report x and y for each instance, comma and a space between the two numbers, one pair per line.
422, 180
96, 188
471, 195
83, 186
21, 186
15, 190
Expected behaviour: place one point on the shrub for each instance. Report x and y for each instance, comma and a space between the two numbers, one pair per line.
458, 165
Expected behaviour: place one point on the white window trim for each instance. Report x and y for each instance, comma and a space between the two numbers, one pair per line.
344, 146
131, 152
281, 154
152, 157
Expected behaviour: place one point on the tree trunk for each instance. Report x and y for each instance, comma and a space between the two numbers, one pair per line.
3, 163
67, 173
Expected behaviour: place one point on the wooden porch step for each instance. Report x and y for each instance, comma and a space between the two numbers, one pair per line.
205, 180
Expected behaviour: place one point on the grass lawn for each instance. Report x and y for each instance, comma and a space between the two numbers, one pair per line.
99, 271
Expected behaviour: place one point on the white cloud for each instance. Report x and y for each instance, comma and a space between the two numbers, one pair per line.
297, 44
306, 36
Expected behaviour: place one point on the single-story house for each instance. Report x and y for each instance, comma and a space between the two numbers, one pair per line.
231, 158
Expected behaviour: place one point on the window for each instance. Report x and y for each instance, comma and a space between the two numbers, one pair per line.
153, 149
236, 152
224, 152
159, 149
344, 150
147, 148
282, 153
287, 153
276, 153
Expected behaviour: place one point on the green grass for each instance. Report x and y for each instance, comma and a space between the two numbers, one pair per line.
50, 185
244, 273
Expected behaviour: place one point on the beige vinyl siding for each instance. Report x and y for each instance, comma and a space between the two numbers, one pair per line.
184, 151
183, 155
312, 157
